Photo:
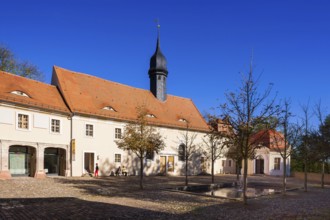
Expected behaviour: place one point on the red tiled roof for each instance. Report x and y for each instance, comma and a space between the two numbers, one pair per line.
88, 95
41, 95
271, 139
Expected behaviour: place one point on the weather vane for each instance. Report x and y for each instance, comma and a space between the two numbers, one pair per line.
157, 22
158, 26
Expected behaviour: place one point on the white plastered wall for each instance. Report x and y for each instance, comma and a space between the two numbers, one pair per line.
272, 171
38, 135
39, 126
103, 145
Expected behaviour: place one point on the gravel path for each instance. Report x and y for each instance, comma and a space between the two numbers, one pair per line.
121, 198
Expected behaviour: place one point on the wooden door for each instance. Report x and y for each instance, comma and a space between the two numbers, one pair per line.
162, 167
259, 166
170, 167
203, 164
89, 162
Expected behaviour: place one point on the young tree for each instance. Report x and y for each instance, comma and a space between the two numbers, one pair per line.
234, 153
216, 141
324, 148
322, 139
245, 109
283, 143
187, 148
9, 63
305, 150
140, 138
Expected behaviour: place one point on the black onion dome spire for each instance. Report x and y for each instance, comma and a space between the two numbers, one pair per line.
158, 63
158, 73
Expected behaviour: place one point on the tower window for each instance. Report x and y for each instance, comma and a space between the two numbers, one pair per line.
159, 77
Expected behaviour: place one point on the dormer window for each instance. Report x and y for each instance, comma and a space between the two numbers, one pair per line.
109, 108
151, 116
20, 93
183, 120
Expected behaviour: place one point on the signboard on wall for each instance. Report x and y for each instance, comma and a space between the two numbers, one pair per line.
73, 149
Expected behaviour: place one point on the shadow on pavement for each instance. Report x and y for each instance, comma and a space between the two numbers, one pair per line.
71, 208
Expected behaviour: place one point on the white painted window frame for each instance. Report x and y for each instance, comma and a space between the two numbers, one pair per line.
85, 130
121, 133
279, 165
121, 157
29, 121
50, 125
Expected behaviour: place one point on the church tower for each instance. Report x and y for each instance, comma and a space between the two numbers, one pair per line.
158, 73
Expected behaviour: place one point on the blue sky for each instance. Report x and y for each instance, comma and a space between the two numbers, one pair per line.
207, 43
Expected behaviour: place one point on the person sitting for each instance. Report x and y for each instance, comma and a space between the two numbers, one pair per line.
118, 171
124, 171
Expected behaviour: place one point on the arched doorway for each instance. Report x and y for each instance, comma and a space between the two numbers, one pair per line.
259, 165
54, 161
22, 160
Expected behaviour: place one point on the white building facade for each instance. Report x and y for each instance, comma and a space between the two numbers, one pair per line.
67, 127
35, 134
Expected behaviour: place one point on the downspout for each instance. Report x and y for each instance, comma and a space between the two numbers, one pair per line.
71, 135
1, 150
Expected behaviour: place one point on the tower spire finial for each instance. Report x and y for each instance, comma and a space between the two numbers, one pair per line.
158, 70
158, 33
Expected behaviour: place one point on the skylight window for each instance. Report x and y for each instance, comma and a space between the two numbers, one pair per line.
109, 108
151, 116
20, 93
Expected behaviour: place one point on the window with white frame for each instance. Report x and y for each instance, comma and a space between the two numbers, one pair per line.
277, 163
229, 163
23, 121
150, 154
181, 152
89, 130
55, 126
118, 134
117, 158
223, 163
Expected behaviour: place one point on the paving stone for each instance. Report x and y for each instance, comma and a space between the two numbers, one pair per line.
121, 198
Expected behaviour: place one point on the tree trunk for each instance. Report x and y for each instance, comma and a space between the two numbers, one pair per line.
141, 173
186, 171
284, 175
212, 171
305, 172
322, 177
237, 171
245, 180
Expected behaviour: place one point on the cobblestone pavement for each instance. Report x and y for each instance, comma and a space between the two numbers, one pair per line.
121, 198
